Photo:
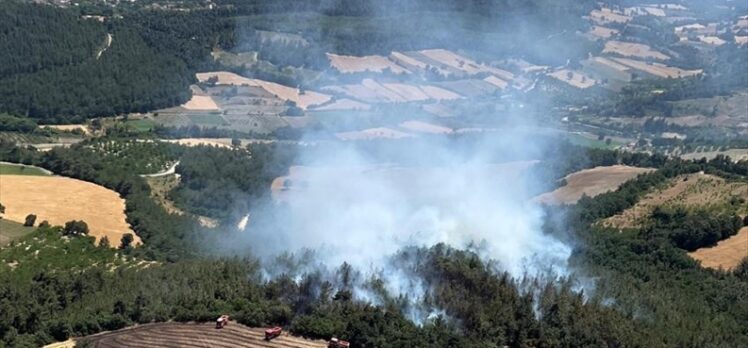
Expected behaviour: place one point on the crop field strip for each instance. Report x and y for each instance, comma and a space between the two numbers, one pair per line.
195, 335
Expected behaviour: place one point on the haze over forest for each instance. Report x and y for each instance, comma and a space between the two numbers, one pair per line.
335, 173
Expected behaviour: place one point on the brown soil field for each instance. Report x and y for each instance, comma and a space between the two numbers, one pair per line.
353, 64
691, 190
200, 102
727, 254
195, 335
630, 49
59, 199
591, 182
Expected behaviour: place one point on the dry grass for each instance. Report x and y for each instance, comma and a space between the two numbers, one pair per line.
423, 127
727, 254
591, 182
201, 102
59, 199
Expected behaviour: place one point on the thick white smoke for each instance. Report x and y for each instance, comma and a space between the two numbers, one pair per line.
353, 210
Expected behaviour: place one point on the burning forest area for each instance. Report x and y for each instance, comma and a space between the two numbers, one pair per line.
373, 174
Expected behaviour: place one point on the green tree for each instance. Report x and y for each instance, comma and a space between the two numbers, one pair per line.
126, 241
30, 220
75, 228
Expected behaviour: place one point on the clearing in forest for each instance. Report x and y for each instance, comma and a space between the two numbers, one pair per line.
727, 254
11, 230
59, 199
187, 335
697, 190
591, 182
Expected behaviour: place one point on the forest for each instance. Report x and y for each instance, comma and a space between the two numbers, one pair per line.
644, 278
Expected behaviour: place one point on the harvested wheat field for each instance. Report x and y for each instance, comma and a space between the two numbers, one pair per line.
59, 199
591, 182
630, 49
195, 335
727, 254
200, 102
302, 99
697, 190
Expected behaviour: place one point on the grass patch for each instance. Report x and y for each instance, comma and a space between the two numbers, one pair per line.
141, 125
10, 231
13, 169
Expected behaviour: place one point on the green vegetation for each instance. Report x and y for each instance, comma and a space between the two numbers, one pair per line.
13, 169
10, 230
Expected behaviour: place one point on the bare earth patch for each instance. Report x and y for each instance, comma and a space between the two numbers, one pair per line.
59, 199
591, 182
727, 254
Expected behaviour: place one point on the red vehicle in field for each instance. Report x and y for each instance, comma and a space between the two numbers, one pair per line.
336, 343
273, 332
222, 321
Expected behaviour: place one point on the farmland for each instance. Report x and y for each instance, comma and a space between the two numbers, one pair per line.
196, 335
590, 183
691, 191
726, 255
59, 200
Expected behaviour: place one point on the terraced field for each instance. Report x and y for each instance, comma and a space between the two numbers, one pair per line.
186, 335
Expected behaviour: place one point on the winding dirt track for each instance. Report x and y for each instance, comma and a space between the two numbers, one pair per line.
195, 335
